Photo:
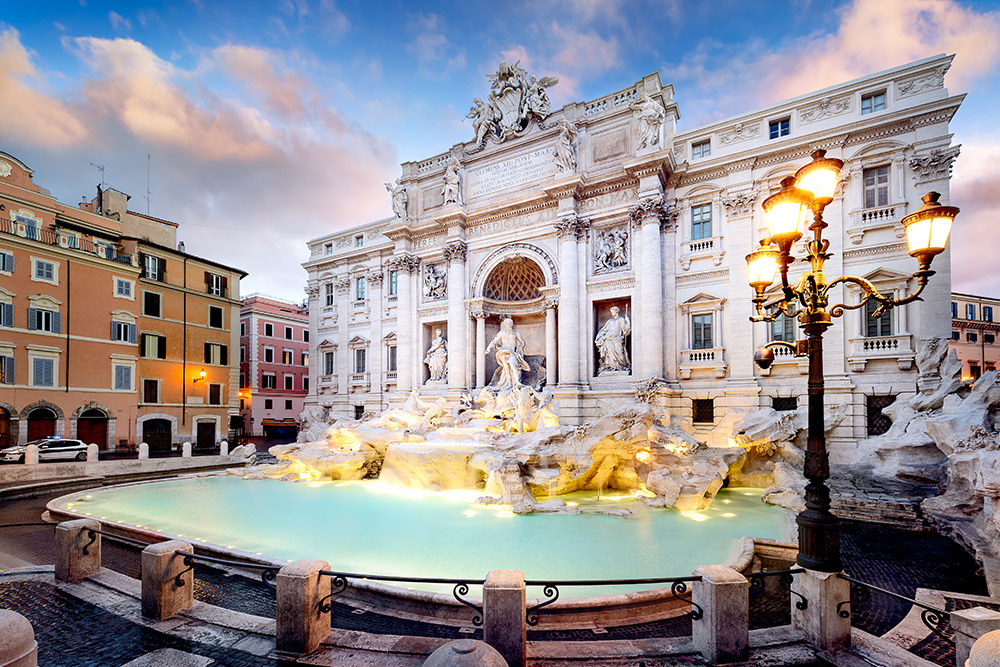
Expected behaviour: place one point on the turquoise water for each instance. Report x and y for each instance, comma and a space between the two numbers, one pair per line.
369, 528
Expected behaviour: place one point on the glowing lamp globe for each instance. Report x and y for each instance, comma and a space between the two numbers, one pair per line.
786, 212
819, 177
762, 264
928, 228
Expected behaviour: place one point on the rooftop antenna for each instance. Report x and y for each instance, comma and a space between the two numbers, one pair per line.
100, 168
148, 193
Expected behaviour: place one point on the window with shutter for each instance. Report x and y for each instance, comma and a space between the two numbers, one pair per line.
43, 372
6, 314
162, 347
6, 262
123, 378
151, 304
56, 322
7, 374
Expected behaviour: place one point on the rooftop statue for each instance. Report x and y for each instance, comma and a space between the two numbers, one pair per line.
515, 98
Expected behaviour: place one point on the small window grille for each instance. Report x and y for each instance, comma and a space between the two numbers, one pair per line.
878, 423
785, 403
703, 410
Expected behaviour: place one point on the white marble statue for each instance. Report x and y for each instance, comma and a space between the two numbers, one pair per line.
398, 194
566, 147
437, 358
435, 285
451, 192
538, 99
649, 115
510, 357
482, 115
610, 343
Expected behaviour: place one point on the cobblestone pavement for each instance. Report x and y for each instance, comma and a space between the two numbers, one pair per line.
898, 560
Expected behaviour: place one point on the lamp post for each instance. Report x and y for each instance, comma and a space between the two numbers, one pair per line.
787, 211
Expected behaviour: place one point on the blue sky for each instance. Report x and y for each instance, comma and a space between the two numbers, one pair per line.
270, 123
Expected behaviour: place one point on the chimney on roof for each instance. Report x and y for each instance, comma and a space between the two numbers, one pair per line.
180, 246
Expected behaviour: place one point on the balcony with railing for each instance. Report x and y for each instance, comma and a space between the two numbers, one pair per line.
710, 359
707, 247
108, 251
865, 349
876, 218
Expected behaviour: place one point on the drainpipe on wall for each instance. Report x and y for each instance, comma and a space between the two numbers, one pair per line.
184, 350
69, 305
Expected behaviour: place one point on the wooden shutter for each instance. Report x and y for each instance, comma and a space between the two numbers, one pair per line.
32, 318
56, 322
6, 314
142, 265
131, 333
208, 353
162, 269
8, 369
161, 347
225, 286
208, 278
224, 355
8, 262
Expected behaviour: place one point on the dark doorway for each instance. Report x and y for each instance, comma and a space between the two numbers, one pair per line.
41, 423
4, 429
92, 427
156, 434
206, 435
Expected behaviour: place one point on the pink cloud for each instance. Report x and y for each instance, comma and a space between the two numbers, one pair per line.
255, 68
976, 190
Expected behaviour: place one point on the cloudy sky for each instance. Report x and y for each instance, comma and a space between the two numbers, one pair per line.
272, 122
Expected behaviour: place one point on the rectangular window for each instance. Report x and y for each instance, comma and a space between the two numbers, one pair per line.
243, 380
288, 333
359, 411
215, 317
7, 374
359, 241
151, 304
305, 383
43, 374
987, 313
304, 358
215, 394
872, 102
268, 404
123, 331
243, 355
6, 314
289, 382
123, 378
215, 284
243, 328
701, 149
123, 288
216, 353
989, 339
701, 332
286, 357
150, 391
880, 326
785, 403
392, 358
783, 329
970, 311
6, 262
154, 268
269, 355
876, 186
45, 270
288, 404
328, 363
878, 423
328, 292
359, 360
40, 319
955, 335
971, 337
954, 309
305, 335
975, 371
701, 222
359, 288
779, 128
393, 283
328, 248
268, 381
703, 410
154, 347
268, 329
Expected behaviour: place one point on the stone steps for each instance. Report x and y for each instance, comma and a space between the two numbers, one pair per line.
896, 512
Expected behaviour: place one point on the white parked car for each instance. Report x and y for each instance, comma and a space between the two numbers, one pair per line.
49, 449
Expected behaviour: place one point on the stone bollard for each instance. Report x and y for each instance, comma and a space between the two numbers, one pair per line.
143, 450
504, 608
162, 597
970, 625
301, 622
465, 653
722, 634
186, 450
820, 622
18, 647
224, 448
72, 539
986, 651
31, 454
92, 452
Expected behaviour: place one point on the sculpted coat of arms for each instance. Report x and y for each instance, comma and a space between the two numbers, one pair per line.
515, 98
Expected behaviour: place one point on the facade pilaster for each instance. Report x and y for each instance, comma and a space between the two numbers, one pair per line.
404, 265
571, 229
648, 216
458, 318
480, 317
312, 291
551, 342
343, 287
376, 349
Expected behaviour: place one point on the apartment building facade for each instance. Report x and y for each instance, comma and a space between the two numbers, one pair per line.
975, 330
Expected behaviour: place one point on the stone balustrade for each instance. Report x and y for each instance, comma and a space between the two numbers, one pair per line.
865, 349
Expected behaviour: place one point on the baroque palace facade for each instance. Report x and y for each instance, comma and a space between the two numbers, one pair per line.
553, 218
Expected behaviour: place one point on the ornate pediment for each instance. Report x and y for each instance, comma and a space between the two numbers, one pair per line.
515, 99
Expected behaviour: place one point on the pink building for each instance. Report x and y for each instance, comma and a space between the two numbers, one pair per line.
274, 366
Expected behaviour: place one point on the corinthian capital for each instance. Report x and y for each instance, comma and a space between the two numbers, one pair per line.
455, 251
572, 227
656, 209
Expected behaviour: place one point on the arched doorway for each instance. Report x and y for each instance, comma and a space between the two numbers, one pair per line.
92, 427
156, 434
41, 423
5, 439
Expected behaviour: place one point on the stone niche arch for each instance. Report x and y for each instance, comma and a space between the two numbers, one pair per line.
526, 251
10, 425
95, 429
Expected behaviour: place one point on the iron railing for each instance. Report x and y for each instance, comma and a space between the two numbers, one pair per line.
935, 619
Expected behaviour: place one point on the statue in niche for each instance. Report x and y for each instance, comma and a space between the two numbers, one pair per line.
435, 285
398, 194
437, 358
566, 147
611, 251
510, 357
450, 191
610, 343
650, 116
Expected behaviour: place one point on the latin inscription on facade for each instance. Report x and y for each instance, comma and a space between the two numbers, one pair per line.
511, 173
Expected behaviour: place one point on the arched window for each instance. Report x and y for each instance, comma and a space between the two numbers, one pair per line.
514, 279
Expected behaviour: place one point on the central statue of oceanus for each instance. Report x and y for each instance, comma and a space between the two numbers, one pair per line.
510, 357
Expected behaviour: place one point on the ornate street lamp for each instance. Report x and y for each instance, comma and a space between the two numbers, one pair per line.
787, 211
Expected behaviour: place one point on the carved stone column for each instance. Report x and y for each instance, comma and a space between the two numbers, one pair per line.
344, 360
480, 348
648, 216
551, 355
571, 230
458, 318
404, 265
